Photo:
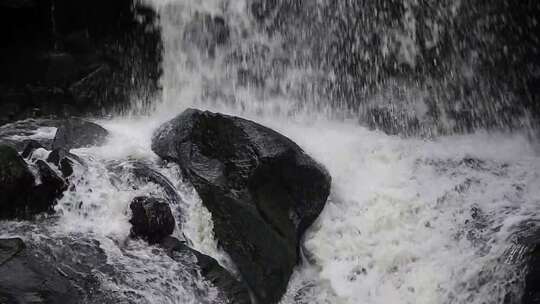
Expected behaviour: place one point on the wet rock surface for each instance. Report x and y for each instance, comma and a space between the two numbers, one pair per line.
24, 278
77, 133
16, 183
263, 191
151, 218
234, 291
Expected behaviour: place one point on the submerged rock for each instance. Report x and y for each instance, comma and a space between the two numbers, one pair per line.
263, 191
234, 291
78, 133
151, 218
24, 278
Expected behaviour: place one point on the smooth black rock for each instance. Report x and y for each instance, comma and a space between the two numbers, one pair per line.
24, 278
234, 291
151, 218
16, 183
78, 133
263, 191
31, 146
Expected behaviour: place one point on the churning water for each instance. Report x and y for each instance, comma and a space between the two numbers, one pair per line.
417, 217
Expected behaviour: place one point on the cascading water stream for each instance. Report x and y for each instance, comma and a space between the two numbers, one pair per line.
411, 219
408, 221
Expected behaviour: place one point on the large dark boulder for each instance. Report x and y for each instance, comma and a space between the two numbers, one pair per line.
263, 191
24, 278
151, 218
16, 181
77, 133
234, 291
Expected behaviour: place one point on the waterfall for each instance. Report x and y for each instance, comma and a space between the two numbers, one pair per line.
411, 105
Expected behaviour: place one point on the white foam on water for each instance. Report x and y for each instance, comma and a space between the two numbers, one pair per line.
97, 207
39, 133
408, 220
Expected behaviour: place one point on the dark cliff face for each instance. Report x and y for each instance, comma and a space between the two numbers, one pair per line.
475, 64
76, 57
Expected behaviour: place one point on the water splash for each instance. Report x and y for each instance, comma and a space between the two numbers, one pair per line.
409, 220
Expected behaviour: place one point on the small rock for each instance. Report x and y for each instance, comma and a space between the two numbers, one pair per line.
78, 133
31, 146
66, 167
151, 218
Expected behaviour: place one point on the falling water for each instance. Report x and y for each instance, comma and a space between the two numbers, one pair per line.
435, 176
